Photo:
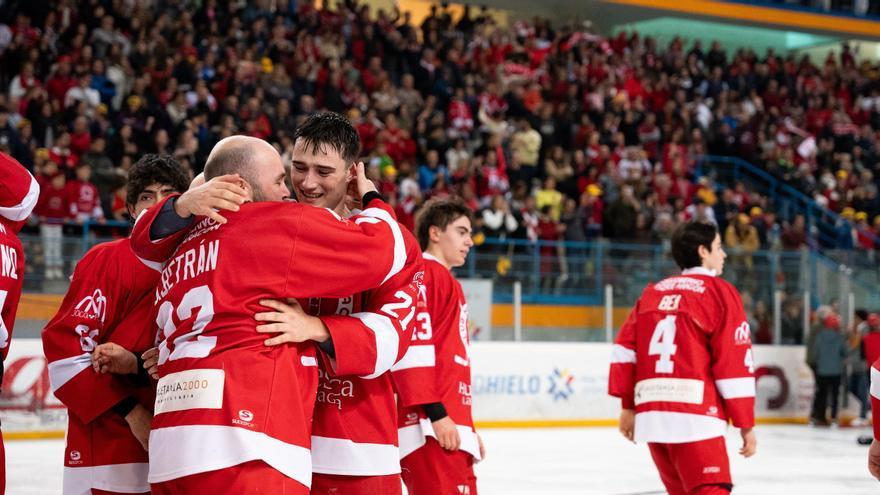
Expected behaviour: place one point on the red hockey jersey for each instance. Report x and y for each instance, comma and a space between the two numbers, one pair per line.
875, 398
436, 367
355, 428
18, 196
683, 360
224, 398
109, 300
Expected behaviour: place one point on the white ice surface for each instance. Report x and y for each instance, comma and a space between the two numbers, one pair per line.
791, 460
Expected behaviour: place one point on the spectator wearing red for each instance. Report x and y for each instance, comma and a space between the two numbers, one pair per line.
63, 155
80, 138
85, 203
53, 210
871, 340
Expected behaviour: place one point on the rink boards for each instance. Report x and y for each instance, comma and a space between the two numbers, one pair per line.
527, 384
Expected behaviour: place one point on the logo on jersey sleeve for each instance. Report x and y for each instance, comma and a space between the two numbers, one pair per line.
743, 334
92, 307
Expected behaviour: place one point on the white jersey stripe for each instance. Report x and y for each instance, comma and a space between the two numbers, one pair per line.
875, 383
736, 388
179, 451
63, 370
620, 354
345, 457
120, 478
399, 246
23, 209
417, 356
676, 427
413, 437
387, 341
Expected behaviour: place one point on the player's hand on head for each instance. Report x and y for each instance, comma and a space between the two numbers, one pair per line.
290, 322
627, 424
750, 442
447, 434
364, 184
113, 358
219, 193
151, 362
874, 459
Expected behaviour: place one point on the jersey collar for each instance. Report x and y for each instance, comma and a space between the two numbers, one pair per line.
699, 270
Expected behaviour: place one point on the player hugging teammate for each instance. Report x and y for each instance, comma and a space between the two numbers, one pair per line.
273, 329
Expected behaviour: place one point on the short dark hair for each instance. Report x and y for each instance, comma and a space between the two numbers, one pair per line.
154, 169
686, 242
330, 129
439, 213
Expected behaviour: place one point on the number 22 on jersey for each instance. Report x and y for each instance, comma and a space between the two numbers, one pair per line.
191, 344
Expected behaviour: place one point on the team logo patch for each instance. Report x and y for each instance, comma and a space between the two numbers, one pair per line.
560, 384
245, 415
743, 334
75, 455
92, 307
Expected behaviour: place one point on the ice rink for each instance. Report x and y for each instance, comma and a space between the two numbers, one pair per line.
791, 460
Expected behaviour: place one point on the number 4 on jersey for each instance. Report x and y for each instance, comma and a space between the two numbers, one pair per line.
662, 344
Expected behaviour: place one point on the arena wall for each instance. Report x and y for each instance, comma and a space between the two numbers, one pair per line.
530, 384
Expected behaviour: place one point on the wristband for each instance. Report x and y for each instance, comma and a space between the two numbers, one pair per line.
435, 411
369, 197
123, 407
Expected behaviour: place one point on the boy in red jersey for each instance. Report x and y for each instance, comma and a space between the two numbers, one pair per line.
438, 443
682, 366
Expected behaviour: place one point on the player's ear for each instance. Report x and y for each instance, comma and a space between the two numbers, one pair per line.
434, 233
249, 190
351, 174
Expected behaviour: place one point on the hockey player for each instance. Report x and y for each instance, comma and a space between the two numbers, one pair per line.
682, 365
354, 433
438, 444
243, 423
110, 298
18, 196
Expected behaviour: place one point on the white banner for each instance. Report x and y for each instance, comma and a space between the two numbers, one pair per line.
26, 400
478, 294
567, 382
529, 383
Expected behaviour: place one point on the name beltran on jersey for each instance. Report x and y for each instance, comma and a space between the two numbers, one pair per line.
188, 264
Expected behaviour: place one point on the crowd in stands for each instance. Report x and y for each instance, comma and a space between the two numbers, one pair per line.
549, 132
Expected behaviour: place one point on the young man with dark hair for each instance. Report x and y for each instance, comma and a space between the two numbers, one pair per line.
682, 366
110, 298
438, 443
354, 432
18, 196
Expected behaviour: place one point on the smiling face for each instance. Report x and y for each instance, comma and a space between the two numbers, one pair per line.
320, 175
